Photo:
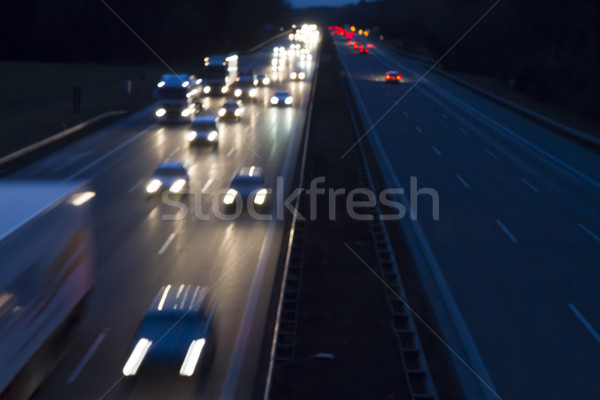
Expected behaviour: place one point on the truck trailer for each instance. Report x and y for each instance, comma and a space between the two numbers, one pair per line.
46, 271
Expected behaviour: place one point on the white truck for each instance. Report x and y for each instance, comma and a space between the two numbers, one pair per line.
46, 271
219, 73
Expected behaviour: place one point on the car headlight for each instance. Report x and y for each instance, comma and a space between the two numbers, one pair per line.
230, 196
237, 92
274, 61
198, 81
160, 84
153, 186
212, 136
185, 84
293, 75
237, 112
274, 68
274, 100
137, 356
301, 75
186, 112
260, 197
252, 93
224, 89
206, 89
288, 100
266, 81
280, 68
309, 57
177, 186
160, 112
191, 135
255, 82
192, 356
222, 112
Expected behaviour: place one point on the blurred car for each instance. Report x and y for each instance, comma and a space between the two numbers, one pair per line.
204, 130
245, 87
297, 75
176, 335
392, 77
232, 109
263, 79
181, 79
282, 98
170, 176
247, 185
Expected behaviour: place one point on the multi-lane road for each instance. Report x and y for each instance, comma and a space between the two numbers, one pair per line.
142, 243
517, 243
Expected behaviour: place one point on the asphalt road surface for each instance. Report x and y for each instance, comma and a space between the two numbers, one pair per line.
518, 235
142, 243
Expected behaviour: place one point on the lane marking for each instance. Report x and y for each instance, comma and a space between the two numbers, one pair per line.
418, 128
505, 229
173, 152
87, 356
490, 153
230, 152
585, 323
525, 181
110, 153
167, 243
436, 150
589, 232
405, 113
246, 129
444, 116
463, 131
207, 185
136, 185
461, 179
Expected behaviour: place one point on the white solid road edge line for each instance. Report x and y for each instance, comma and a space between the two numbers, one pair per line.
87, 356
589, 232
167, 243
585, 323
505, 230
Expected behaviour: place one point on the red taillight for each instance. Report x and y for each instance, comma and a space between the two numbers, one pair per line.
366, 50
356, 46
388, 77
398, 77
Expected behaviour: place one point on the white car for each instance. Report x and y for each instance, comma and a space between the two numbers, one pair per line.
282, 98
170, 176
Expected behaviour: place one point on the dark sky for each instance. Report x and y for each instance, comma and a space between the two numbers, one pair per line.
310, 3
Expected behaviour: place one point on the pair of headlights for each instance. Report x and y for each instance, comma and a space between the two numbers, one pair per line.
156, 184
237, 112
259, 197
288, 100
192, 135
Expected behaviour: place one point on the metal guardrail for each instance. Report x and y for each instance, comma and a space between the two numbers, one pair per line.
294, 231
415, 366
12, 157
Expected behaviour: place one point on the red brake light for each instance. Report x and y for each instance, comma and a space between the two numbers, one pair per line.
366, 50
388, 76
398, 77
356, 46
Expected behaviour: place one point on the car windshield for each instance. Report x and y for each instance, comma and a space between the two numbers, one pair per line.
281, 93
246, 180
205, 126
172, 93
170, 171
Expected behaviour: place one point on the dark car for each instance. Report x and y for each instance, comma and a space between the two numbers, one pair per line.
175, 337
232, 110
393, 77
247, 185
170, 176
204, 130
